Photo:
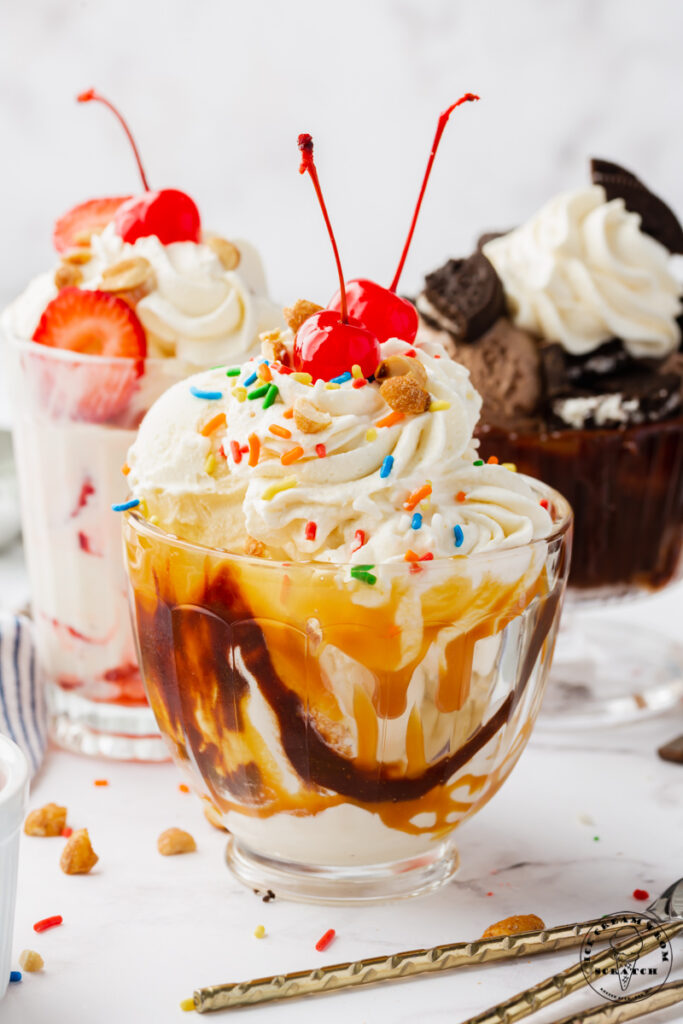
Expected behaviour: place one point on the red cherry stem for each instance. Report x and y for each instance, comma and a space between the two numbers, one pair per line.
91, 94
305, 144
443, 121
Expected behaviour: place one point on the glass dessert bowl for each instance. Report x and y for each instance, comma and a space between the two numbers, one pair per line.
570, 326
344, 720
139, 299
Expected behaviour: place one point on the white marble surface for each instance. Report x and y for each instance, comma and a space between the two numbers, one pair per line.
141, 932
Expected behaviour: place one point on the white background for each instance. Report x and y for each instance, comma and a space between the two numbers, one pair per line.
217, 91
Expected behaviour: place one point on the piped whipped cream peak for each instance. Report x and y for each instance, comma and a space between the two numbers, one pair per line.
190, 304
261, 459
582, 271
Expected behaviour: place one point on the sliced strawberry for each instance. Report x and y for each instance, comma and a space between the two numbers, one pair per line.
75, 227
93, 323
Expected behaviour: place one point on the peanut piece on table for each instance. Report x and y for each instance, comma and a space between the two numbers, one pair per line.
46, 821
31, 961
78, 856
514, 926
175, 840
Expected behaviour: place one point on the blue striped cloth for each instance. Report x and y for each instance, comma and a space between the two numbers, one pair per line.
22, 700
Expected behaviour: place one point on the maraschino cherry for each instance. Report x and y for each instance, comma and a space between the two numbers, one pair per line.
169, 214
330, 342
381, 309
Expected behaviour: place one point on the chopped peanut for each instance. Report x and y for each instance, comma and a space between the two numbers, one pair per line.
405, 394
402, 366
31, 961
78, 856
297, 314
68, 275
253, 547
46, 821
174, 841
514, 926
309, 418
227, 253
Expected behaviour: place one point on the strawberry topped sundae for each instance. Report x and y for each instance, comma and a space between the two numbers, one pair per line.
142, 296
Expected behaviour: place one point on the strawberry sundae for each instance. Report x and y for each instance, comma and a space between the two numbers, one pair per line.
142, 296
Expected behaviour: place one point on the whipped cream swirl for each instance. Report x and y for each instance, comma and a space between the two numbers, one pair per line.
581, 271
197, 311
356, 487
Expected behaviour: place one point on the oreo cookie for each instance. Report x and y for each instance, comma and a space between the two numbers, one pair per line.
628, 400
564, 373
657, 219
464, 297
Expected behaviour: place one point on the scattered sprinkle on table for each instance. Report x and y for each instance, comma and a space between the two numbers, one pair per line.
184, 788
209, 396
66, 832
596, 839
101, 782
641, 894
14, 976
125, 505
259, 931
416, 521
324, 940
187, 1004
48, 922
387, 466
458, 535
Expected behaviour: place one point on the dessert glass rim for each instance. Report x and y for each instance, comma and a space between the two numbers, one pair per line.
562, 520
67, 355
545, 432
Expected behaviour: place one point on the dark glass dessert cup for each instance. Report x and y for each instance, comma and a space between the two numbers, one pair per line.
625, 486
342, 729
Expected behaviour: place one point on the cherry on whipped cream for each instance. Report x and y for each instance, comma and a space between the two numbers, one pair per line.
330, 342
169, 214
381, 309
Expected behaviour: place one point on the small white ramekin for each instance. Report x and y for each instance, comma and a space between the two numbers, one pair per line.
14, 776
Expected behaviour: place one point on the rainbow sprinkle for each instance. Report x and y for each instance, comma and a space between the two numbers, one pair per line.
387, 466
478, 462
14, 976
511, 466
320, 451
459, 536
364, 574
302, 378
187, 1005
311, 530
416, 521
234, 372
251, 379
125, 505
259, 931
209, 396
259, 392
270, 396
332, 386
439, 405
356, 371
371, 434
240, 393
342, 378
279, 485
210, 464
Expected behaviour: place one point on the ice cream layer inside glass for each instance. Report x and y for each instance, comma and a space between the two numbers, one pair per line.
140, 298
345, 618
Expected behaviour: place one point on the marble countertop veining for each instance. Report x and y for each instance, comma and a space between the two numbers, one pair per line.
141, 932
